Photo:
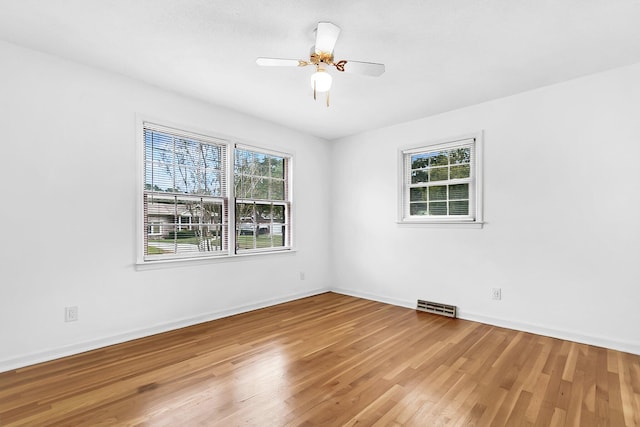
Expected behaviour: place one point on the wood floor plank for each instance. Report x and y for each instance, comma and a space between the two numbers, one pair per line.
330, 360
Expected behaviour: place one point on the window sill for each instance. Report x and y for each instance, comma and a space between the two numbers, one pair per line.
185, 262
441, 224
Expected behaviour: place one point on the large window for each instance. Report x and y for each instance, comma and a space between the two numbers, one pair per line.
442, 182
190, 184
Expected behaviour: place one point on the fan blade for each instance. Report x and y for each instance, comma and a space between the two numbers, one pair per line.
367, 68
326, 36
277, 62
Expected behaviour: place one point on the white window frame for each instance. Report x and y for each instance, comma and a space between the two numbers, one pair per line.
475, 216
231, 144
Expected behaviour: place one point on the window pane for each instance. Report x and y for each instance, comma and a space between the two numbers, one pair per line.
244, 212
242, 186
438, 208
438, 159
459, 191
459, 208
277, 235
182, 165
277, 190
245, 241
212, 183
263, 214
242, 161
158, 147
461, 171
277, 167
210, 231
419, 161
246, 226
161, 213
210, 156
263, 240
460, 155
418, 209
158, 177
212, 212
438, 174
419, 176
260, 188
418, 194
187, 181
261, 162
278, 213
187, 152
183, 226
438, 193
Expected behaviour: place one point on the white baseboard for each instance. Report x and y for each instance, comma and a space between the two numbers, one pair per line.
628, 347
56, 353
374, 297
69, 350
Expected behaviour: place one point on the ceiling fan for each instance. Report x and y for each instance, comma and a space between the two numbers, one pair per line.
322, 55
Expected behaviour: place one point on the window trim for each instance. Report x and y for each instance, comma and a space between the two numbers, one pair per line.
231, 145
477, 178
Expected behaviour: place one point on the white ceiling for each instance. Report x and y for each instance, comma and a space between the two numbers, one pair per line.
439, 54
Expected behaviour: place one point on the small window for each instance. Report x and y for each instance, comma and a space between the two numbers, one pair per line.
441, 182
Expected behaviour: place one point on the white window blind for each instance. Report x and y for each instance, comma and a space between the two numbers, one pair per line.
185, 194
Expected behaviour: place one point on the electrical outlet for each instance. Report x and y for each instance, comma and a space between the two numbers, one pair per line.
496, 293
71, 314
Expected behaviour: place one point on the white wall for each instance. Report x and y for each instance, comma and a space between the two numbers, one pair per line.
562, 237
562, 206
69, 211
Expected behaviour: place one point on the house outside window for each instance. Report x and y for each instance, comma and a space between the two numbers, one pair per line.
442, 182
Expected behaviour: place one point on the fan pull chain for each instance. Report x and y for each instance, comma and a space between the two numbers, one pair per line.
327, 99
314, 90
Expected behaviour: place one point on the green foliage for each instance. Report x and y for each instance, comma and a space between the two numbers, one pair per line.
182, 234
462, 171
419, 176
418, 194
244, 241
439, 174
460, 155
459, 191
438, 208
438, 192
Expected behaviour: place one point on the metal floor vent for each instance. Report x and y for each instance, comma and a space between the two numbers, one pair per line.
437, 308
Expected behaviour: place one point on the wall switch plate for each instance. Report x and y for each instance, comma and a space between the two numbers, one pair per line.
496, 293
302, 275
71, 314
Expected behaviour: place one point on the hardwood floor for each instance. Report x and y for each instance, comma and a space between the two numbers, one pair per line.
331, 360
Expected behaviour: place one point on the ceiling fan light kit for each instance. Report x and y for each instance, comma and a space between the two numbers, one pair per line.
321, 82
322, 53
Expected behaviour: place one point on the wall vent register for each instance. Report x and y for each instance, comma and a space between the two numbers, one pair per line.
436, 308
